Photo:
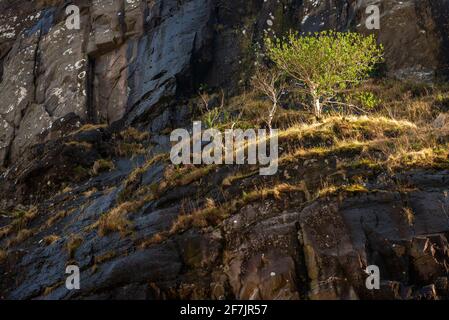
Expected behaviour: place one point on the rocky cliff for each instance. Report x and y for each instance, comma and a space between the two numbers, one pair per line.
128, 55
69, 97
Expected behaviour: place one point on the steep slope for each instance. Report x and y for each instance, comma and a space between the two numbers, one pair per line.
147, 229
80, 187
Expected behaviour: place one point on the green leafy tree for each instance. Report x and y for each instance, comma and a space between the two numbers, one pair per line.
325, 63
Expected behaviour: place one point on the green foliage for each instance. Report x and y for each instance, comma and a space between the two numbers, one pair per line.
325, 62
210, 118
213, 118
367, 100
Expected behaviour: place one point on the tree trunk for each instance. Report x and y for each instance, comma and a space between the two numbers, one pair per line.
316, 100
317, 107
271, 115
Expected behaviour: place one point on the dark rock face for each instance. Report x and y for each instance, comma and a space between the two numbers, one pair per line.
284, 249
320, 251
132, 62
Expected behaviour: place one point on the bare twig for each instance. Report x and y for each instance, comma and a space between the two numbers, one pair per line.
272, 84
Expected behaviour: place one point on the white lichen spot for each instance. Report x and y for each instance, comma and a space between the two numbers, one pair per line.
57, 92
79, 64
10, 108
22, 93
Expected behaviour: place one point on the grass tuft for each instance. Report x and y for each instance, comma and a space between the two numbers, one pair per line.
102, 165
116, 220
73, 243
48, 240
3, 255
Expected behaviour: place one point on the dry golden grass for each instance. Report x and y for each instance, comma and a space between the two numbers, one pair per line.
21, 236
90, 127
395, 136
130, 201
345, 128
251, 106
194, 175
102, 165
133, 180
425, 158
399, 142
173, 176
263, 193
90, 192
116, 220
52, 288
73, 244
213, 214
105, 257
129, 149
395, 144
389, 139
199, 219
209, 203
5, 231
77, 144
48, 240
66, 190
366, 162
419, 110
350, 147
358, 136
333, 190
350, 135
228, 181
419, 103
155, 239
131, 142
21, 219
3, 255
56, 217
132, 134
409, 216
136, 173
